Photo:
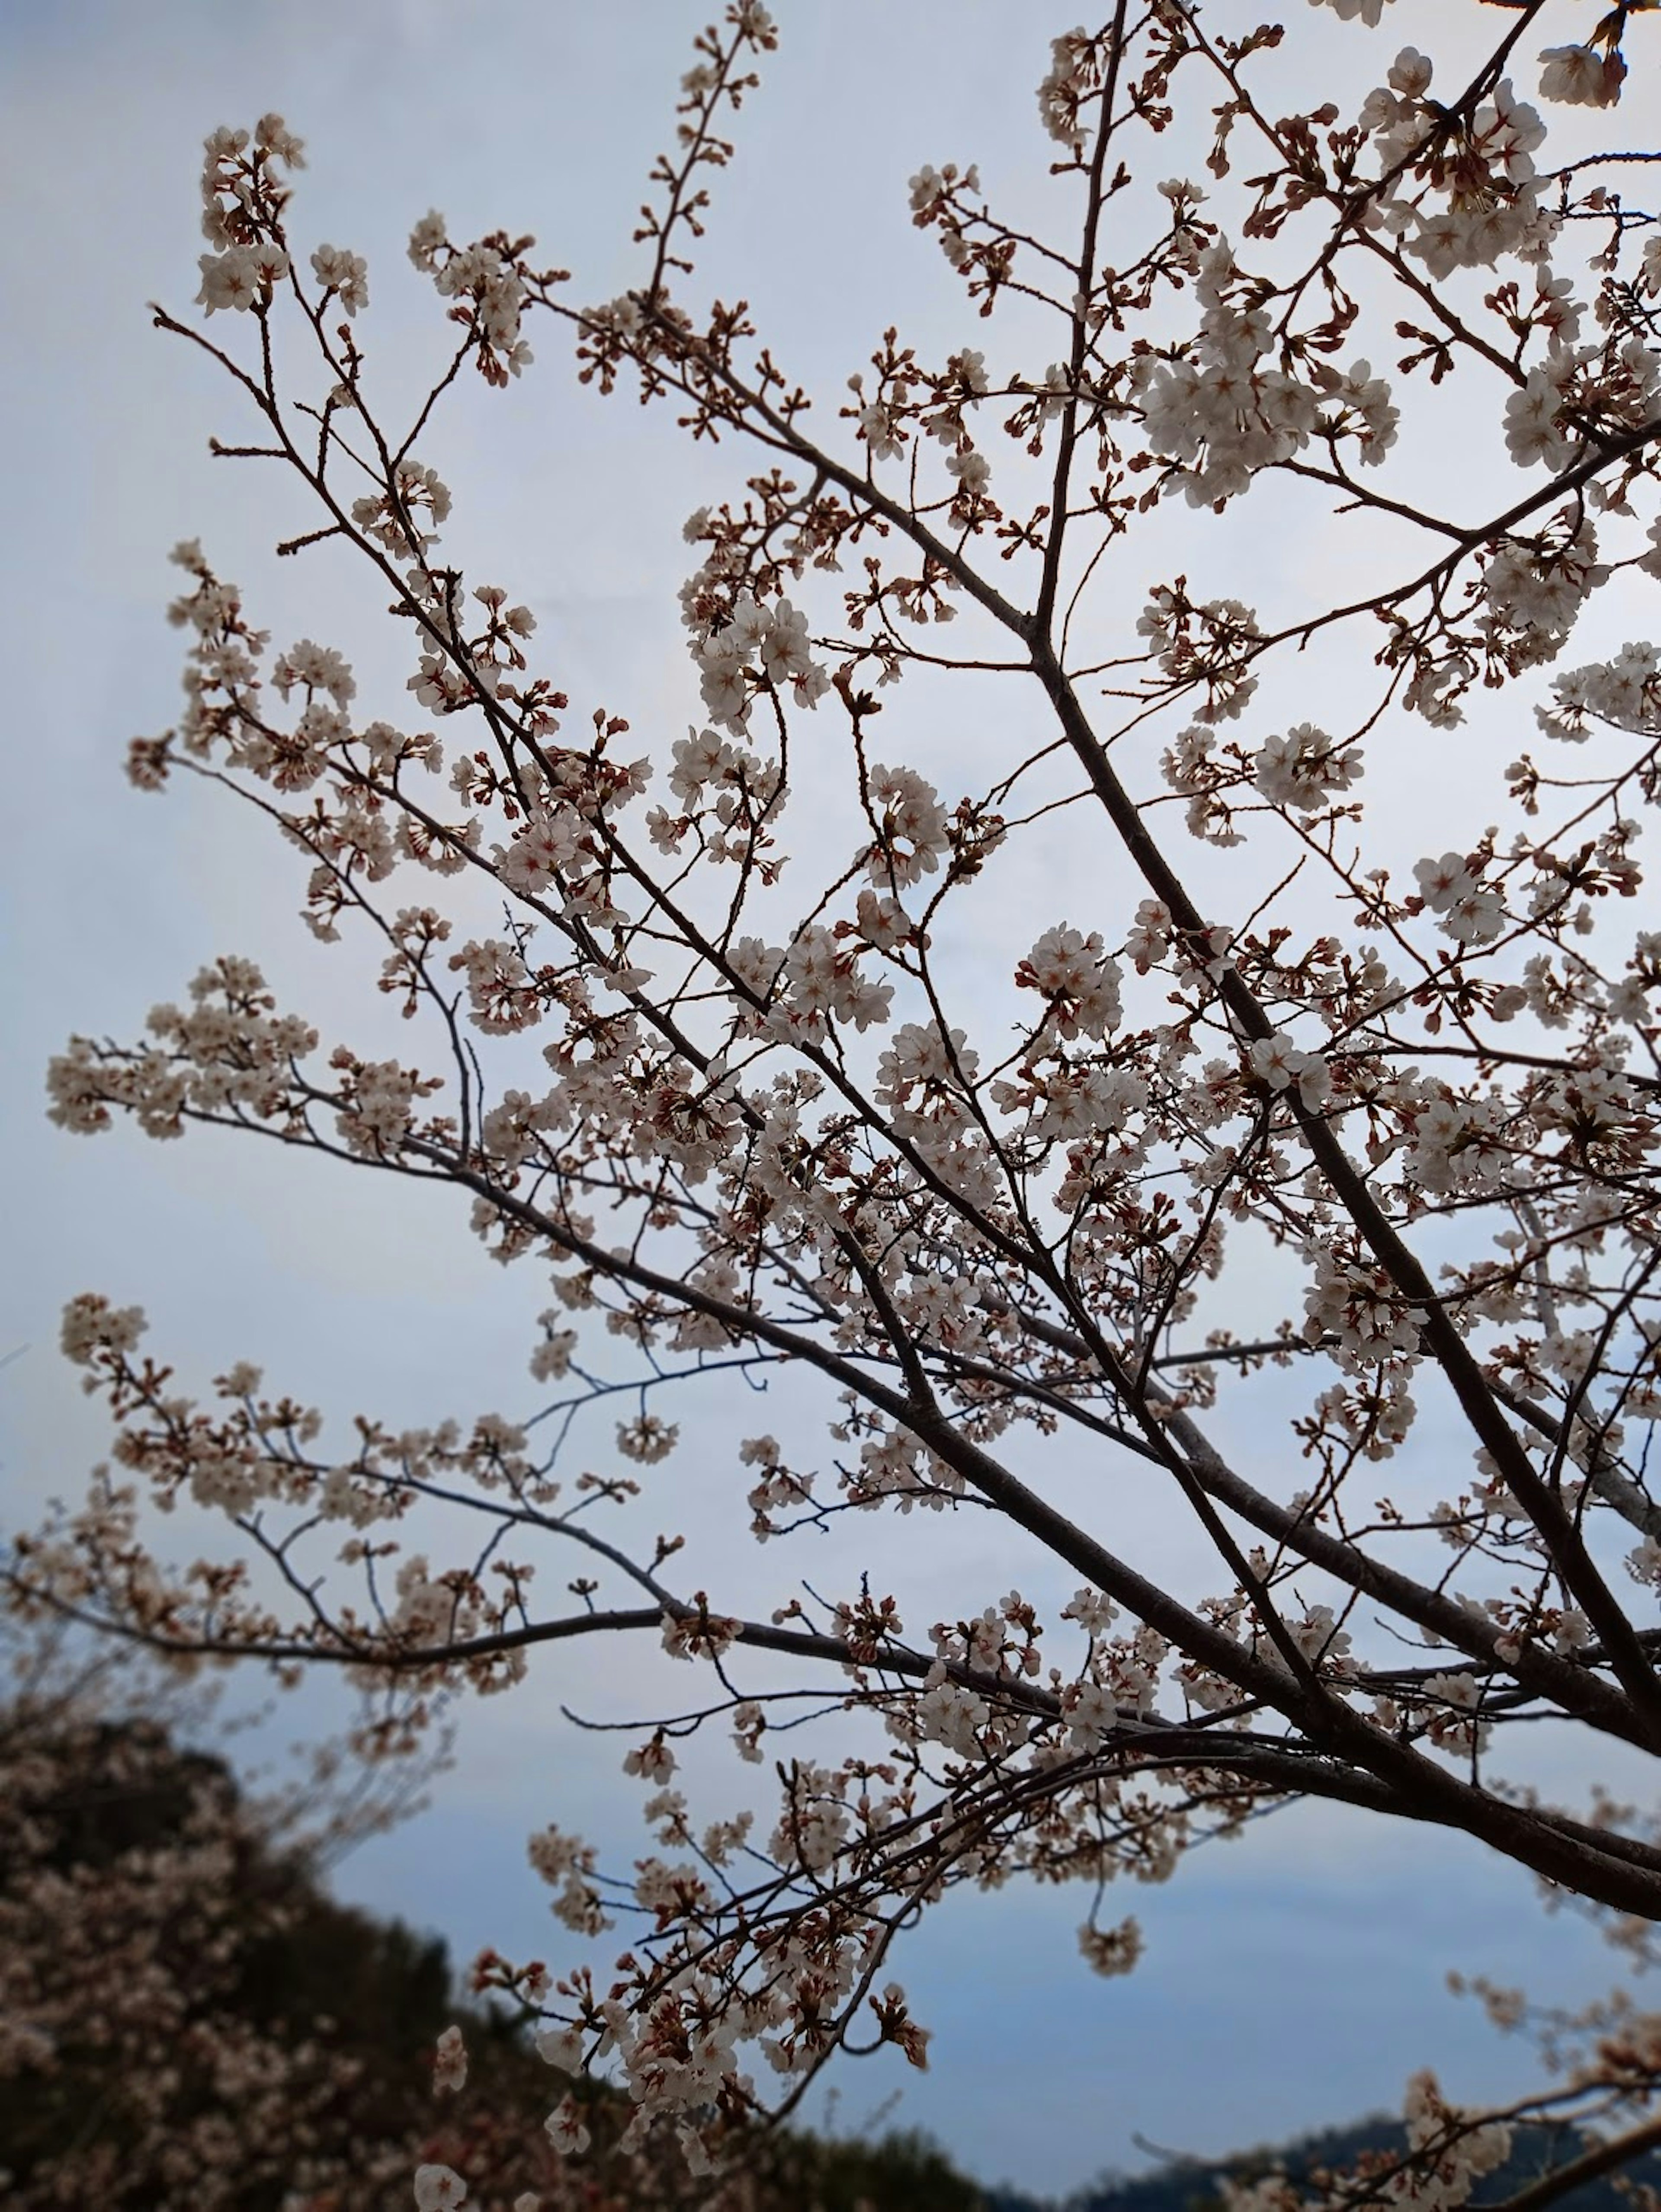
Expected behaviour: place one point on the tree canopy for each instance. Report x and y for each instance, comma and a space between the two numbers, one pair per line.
1026, 1024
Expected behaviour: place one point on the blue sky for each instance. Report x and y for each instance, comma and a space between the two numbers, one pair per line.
1293, 1978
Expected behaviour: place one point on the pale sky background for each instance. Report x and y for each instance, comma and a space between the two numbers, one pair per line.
1295, 1978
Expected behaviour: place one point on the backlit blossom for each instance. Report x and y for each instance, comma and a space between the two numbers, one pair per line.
1582, 77
439, 2189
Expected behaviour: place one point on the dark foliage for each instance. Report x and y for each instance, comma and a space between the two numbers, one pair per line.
1190, 2185
260, 1952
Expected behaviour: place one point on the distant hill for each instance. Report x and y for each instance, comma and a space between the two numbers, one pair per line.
1191, 2186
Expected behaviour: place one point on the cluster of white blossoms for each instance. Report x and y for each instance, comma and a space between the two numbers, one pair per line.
1209, 643
924, 1077
1470, 214
1478, 231
390, 518
759, 649
726, 793
1579, 392
1447, 2152
948, 1713
91, 1326
912, 837
230, 1051
242, 202
1624, 692
567, 1864
487, 281
1078, 63
1079, 979
342, 275
1533, 593
1197, 764
816, 980
1283, 1065
1225, 411
1352, 1312
1458, 1144
1393, 113
932, 194
1468, 910
243, 277
1306, 768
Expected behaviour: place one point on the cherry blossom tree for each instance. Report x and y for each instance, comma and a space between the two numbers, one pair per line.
1300, 1136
